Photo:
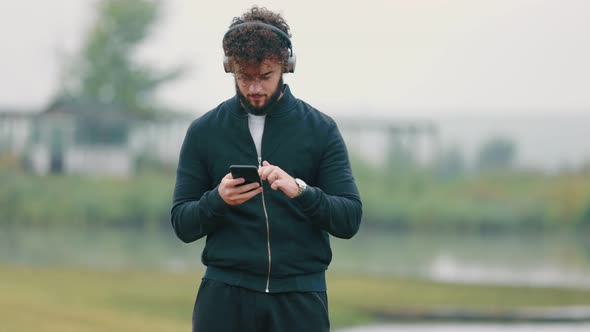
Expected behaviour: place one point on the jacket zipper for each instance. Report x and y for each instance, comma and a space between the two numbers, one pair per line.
267, 233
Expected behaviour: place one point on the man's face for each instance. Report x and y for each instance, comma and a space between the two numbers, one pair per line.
259, 85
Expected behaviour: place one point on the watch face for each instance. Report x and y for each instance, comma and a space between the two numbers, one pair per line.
302, 185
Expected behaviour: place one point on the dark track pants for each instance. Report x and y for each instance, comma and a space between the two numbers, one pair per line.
220, 307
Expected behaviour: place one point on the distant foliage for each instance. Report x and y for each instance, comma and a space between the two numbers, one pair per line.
141, 202
418, 199
106, 75
450, 164
585, 217
497, 153
500, 200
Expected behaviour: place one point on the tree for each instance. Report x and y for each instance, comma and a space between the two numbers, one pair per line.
105, 76
497, 153
450, 163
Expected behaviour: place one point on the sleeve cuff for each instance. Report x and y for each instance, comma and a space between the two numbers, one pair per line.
308, 198
217, 204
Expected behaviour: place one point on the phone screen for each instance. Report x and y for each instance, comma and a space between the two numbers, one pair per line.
248, 172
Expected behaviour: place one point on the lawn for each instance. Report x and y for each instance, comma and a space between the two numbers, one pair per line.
48, 299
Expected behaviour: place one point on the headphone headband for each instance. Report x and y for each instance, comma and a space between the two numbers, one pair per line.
260, 24
281, 33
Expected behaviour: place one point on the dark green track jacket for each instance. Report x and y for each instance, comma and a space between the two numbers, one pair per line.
270, 243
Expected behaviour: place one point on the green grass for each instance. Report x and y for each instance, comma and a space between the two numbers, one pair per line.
362, 297
53, 299
48, 299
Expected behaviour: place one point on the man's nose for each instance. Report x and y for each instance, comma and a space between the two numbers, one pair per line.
254, 86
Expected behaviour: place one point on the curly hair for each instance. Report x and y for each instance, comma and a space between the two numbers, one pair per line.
254, 44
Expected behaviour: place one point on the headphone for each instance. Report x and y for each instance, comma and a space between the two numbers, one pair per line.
290, 60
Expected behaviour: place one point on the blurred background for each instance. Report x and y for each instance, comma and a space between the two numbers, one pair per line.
466, 121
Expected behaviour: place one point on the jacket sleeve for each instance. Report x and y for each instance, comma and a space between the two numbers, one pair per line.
334, 204
197, 208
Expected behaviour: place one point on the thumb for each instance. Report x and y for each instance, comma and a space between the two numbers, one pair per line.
265, 163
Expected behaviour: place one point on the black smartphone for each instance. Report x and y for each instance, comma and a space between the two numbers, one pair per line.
248, 172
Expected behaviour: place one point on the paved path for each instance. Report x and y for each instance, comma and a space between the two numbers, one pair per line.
559, 319
569, 314
470, 327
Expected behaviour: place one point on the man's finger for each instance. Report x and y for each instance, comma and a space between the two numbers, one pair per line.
266, 172
247, 187
234, 182
272, 177
276, 185
241, 198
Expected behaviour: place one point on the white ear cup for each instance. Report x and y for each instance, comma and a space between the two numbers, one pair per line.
226, 65
291, 62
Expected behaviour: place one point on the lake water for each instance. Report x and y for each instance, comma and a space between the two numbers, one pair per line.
515, 259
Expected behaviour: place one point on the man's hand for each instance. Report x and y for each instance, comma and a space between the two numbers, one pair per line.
278, 179
233, 193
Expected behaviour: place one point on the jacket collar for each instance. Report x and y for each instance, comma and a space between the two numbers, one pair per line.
282, 106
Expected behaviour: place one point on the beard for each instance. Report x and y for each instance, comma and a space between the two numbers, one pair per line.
260, 110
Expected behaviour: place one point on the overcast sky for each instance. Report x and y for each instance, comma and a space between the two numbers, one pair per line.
369, 56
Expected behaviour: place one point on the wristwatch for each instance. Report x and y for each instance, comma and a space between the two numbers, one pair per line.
302, 186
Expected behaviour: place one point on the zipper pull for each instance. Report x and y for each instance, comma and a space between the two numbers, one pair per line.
259, 162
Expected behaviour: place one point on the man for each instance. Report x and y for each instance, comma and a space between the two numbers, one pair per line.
267, 243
